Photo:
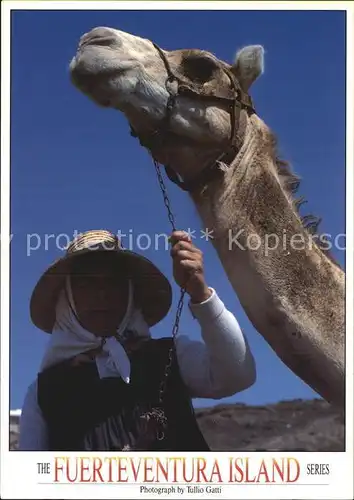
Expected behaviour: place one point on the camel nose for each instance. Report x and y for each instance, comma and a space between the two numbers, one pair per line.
98, 36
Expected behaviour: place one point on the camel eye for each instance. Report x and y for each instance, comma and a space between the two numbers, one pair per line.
199, 68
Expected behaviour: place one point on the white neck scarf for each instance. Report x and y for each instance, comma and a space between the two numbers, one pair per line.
69, 338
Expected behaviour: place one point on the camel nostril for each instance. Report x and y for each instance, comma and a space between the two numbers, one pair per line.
98, 36
102, 31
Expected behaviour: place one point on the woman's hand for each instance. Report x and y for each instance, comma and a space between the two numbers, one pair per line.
188, 267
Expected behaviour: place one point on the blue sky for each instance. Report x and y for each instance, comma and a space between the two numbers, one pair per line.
75, 167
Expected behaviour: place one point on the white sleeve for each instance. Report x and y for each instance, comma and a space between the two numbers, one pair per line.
33, 429
223, 364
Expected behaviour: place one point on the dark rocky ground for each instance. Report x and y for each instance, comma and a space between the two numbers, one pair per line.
286, 426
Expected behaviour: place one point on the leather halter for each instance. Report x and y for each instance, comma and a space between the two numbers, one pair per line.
235, 96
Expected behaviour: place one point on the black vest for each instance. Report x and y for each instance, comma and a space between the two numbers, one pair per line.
86, 413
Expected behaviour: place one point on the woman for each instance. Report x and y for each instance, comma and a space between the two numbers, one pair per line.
102, 384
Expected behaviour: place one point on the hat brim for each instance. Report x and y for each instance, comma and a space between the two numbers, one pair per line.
152, 290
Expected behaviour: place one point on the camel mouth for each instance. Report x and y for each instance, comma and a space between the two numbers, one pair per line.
95, 81
96, 70
109, 67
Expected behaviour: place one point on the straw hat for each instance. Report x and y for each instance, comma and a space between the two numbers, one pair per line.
152, 290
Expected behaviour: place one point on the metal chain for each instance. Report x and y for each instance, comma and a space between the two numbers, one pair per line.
165, 195
180, 302
170, 354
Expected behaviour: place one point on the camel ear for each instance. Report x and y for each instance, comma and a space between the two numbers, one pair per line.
249, 65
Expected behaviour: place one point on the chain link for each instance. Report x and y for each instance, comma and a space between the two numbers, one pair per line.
165, 195
181, 299
170, 354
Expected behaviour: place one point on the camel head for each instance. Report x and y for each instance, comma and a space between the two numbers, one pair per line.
179, 102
